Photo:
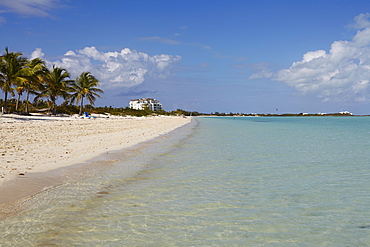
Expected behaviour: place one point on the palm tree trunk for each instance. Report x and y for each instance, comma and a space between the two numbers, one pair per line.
17, 104
54, 109
27, 96
5, 101
82, 103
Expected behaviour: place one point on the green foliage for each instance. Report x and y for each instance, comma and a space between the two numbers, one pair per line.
56, 84
85, 86
34, 72
66, 108
180, 112
12, 65
123, 111
24, 77
18, 74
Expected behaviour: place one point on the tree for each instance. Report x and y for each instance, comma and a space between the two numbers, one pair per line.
85, 86
11, 69
34, 72
55, 84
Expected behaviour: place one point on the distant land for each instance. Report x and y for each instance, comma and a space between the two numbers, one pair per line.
217, 114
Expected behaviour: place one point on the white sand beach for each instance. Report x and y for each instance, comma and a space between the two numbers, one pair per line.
34, 144
38, 144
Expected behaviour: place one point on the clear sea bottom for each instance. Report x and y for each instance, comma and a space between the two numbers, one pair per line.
218, 182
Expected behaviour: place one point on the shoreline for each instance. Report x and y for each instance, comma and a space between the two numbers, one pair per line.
37, 166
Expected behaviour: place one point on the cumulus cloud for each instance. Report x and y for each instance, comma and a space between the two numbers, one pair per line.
39, 8
341, 74
125, 68
37, 53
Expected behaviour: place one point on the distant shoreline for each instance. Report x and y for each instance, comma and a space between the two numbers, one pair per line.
287, 115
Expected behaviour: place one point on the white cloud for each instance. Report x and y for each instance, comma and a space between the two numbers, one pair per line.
37, 53
309, 56
341, 74
262, 68
116, 69
29, 7
262, 74
361, 21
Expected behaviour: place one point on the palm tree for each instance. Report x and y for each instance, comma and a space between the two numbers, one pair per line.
35, 70
85, 86
19, 89
11, 69
55, 83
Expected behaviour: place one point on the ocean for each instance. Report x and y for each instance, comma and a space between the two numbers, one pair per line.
222, 181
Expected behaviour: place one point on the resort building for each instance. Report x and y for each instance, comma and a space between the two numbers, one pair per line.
141, 104
345, 113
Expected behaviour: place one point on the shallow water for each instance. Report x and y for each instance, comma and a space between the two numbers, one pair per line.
278, 181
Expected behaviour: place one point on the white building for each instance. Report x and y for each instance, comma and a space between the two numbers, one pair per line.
140, 104
345, 113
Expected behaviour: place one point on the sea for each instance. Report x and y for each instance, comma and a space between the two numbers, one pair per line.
219, 181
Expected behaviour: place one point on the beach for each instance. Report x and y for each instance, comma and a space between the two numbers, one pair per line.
38, 144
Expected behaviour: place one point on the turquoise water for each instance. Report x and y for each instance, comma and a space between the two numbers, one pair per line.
278, 181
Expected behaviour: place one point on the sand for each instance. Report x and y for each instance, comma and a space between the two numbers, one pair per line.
37, 144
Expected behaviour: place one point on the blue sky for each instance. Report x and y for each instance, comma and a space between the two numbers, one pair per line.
245, 56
